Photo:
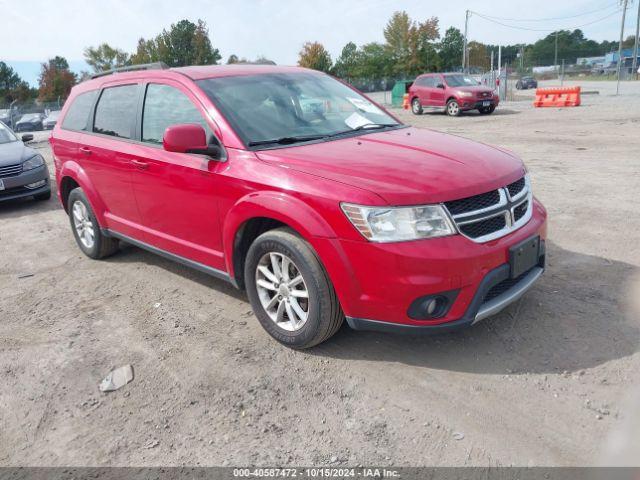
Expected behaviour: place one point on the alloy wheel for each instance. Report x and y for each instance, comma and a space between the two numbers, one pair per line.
83, 225
282, 291
453, 108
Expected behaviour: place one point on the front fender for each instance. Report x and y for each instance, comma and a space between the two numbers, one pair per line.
74, 171
277, 206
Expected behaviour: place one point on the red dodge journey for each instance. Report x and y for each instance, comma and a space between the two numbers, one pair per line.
301, 190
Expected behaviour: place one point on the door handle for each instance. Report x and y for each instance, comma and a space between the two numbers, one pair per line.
85, 150
140, 165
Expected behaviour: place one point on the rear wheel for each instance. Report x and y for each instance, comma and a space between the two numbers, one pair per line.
86, 229
453, 108
290, 291
416, 106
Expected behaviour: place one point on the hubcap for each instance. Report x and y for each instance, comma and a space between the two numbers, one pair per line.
83, 225
453, 108
282, 291
416, 105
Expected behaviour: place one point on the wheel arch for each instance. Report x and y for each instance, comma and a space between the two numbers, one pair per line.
71, 176
257, 213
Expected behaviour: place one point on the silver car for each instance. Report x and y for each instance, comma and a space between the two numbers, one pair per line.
23, 171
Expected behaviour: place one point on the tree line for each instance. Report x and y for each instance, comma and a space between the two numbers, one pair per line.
409, 48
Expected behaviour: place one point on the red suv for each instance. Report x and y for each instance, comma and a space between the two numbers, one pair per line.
299, 189
451, 92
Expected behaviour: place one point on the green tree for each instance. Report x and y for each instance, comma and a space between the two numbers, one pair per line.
105, 57
185, 43
375, 61
397, 34
55, 80
411, 45
314, 55
146, 52
233, 58
9, 81
451, 48
347, 63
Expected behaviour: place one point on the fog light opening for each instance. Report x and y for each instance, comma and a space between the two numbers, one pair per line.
39, 184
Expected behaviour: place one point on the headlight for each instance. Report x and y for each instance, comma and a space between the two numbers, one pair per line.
465, 94
34, 162
397, 224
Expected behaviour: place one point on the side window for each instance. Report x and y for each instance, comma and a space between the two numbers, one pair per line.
116, 111
421, 82
77, 116
164, 106
430, 82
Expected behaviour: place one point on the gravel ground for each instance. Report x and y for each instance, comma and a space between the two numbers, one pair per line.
547, 382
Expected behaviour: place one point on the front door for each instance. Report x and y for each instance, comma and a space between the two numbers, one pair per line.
177, 193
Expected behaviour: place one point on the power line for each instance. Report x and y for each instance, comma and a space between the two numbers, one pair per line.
516, 27
526, 20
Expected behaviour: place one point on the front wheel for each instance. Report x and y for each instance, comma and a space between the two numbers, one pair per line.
453, 108
290, 291
86, 228
416, 106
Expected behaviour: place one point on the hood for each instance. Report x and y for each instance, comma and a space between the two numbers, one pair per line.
405, 166
14, 152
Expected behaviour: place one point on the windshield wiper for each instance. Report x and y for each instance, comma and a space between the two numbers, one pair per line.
287, 140
366, 126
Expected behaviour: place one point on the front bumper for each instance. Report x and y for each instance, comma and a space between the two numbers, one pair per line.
15, 187
377, 283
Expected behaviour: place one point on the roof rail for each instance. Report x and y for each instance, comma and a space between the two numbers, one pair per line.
133, 68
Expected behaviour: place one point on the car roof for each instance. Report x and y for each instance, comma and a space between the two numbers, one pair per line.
193, 73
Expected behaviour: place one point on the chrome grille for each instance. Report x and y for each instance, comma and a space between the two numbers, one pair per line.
11, 170
493, 214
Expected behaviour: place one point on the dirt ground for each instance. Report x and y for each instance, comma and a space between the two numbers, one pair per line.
550, 381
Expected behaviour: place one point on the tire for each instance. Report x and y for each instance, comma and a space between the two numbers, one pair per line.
323, 313
42, 197
487, 110
101, 246
453, 108
416, 106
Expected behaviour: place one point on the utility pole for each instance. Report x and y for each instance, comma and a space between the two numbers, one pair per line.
624, 14
555, 58
465, 60
635, 45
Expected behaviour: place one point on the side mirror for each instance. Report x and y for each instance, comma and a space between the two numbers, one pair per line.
440, 85
189, 138
27, 137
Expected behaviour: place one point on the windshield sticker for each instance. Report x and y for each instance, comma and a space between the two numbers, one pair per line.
356, 120
363, 105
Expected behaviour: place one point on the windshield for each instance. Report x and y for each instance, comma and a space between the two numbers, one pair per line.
292, 107
6, 135
460, 81
30, 116
53, 115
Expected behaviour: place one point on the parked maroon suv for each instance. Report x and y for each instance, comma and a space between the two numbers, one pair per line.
299, 189
451, 92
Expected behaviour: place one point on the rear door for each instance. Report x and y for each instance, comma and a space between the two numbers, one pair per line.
421, 84
177, 193
112, 127
437, 94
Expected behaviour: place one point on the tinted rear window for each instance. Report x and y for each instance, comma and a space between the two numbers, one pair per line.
77, 116
116, 111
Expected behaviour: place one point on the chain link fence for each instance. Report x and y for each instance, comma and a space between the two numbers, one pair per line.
15, 113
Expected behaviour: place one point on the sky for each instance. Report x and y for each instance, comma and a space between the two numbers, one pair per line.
36, 30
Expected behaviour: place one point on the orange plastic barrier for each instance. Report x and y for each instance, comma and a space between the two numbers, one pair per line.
405, 101
557, 97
